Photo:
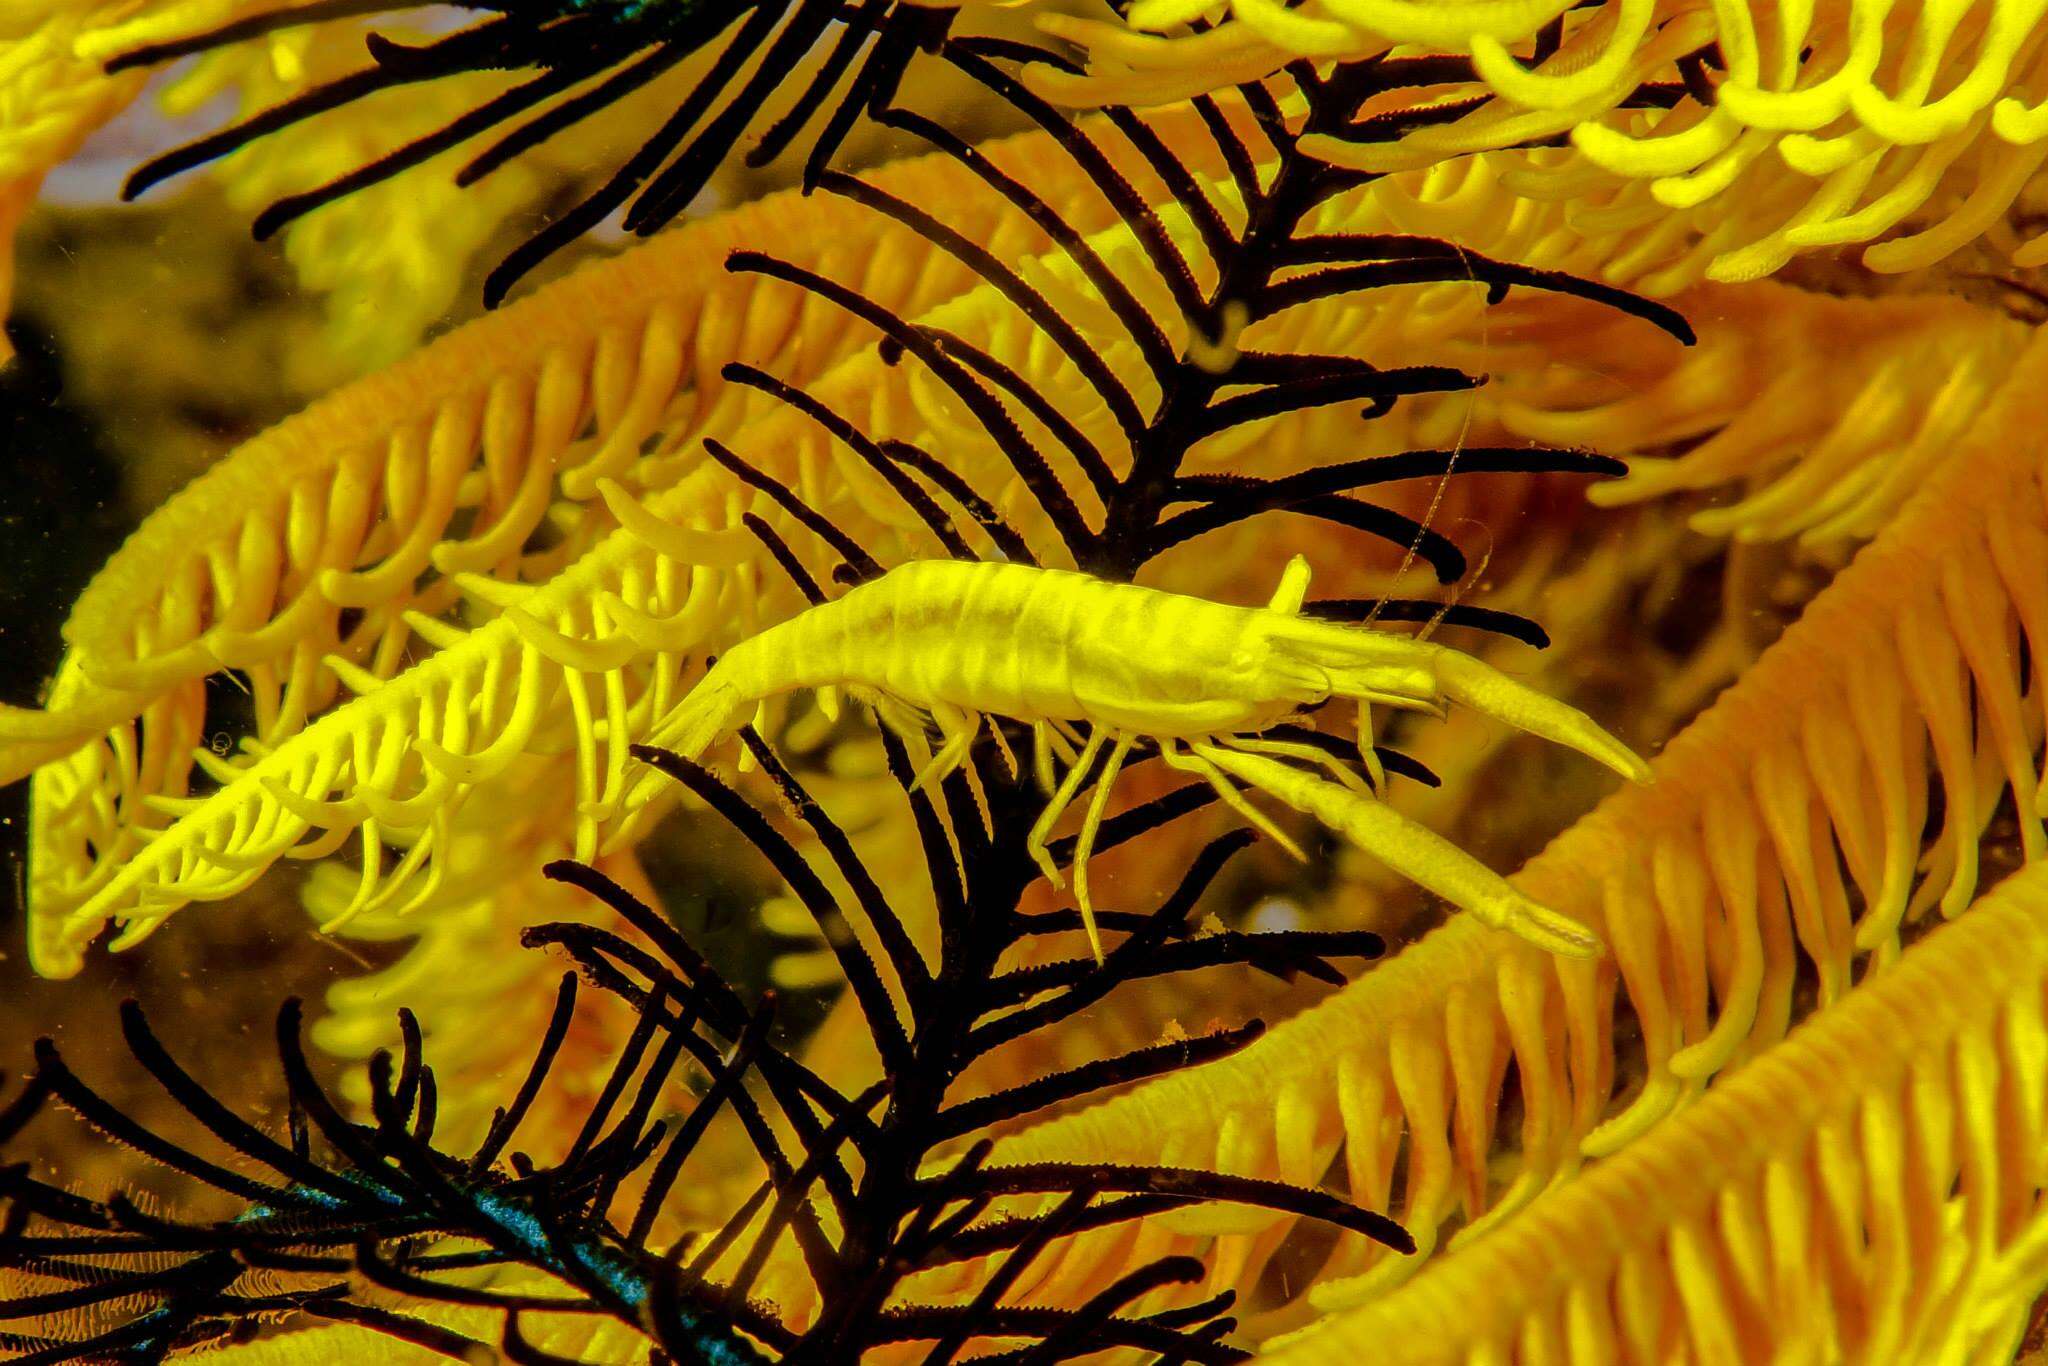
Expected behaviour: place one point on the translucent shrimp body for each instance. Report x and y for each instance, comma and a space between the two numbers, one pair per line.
1108, 664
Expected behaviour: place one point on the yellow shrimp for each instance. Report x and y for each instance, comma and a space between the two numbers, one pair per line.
1063, 650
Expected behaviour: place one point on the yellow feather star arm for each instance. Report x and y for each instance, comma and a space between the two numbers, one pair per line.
453, 721
1826, 414
1803, 792
480, 998
342, 510
1869, 1190
1829, 124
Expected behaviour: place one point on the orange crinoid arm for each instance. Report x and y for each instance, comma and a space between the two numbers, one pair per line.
1870, 1190
1783, 837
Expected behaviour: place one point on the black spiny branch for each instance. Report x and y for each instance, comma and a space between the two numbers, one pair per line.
370, 1222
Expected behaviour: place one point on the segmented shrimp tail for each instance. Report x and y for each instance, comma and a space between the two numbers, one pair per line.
1487, 690
700, 720
712, 710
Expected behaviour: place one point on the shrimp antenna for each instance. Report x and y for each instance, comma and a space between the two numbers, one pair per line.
1443, 482
1513, 625
1458, 590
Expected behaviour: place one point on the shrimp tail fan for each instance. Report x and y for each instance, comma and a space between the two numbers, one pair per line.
711, 711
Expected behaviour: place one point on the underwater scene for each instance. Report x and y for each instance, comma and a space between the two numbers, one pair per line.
719, 682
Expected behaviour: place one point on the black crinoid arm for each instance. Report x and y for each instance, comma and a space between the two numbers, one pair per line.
368, 1221
579, 58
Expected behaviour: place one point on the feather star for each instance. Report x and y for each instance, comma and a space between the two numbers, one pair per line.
1793, 1111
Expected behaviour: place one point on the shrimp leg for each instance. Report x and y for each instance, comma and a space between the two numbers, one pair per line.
1294, 749
1003, 747
959, 727
1367, 751
1197, 762
1044, 742
1091, 826
1061, 799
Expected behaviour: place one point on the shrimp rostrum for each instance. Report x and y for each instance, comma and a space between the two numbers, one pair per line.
1091, 664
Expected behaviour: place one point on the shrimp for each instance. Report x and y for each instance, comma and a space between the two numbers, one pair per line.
1201, 680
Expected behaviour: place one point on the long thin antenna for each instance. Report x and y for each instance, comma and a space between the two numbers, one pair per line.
1443, 482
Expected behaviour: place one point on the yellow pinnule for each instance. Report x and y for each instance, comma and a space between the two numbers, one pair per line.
1869, 1190
1821, 125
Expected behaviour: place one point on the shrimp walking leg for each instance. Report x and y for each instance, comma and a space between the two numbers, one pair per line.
1295, 749
1091, 826
1197, 760
959, 729
1368, 750
1048, 743
1061, 799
